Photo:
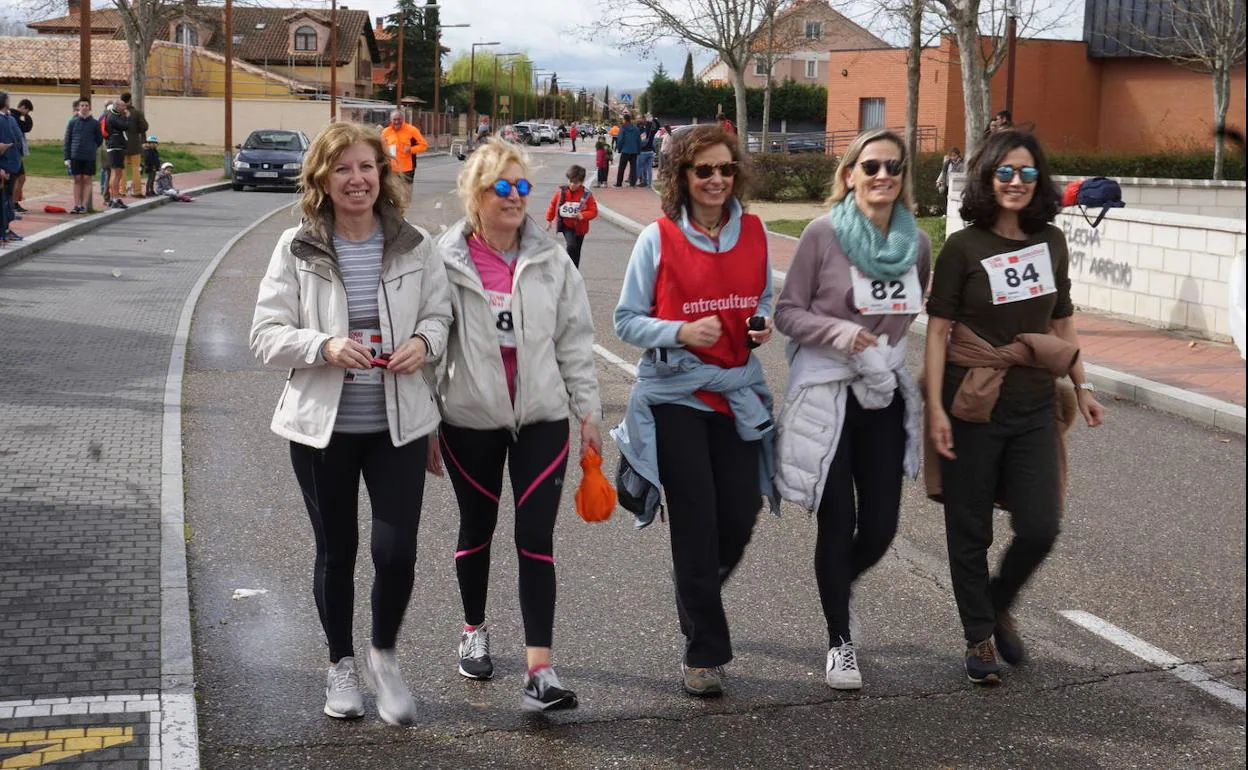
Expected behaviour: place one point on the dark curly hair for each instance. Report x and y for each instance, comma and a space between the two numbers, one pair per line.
675, 196
979, 202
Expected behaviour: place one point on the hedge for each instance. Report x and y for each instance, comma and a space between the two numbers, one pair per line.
1168, 165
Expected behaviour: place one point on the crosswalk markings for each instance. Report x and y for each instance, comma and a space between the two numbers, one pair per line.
44, 746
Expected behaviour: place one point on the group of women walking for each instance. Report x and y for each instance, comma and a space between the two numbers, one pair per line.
474, 353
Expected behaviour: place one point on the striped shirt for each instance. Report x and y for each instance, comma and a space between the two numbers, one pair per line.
363, 405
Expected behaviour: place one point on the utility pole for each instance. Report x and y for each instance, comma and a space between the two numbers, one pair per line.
229, 85
1011, 43
437, 68
333, 60
398, 75
509, 54
84, 50
472, 86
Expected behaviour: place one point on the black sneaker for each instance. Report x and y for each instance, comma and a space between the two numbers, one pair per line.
543, 692
981, 663
1009, 643
19, 209
474, 654
119, 204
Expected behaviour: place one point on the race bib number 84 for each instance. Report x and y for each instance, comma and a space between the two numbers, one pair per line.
1019, 275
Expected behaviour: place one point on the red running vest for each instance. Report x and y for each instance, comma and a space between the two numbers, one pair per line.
692, 284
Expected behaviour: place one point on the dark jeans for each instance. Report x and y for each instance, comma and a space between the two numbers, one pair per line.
574, 243
710, 478
868, 462
1012, 458
330, 480
537, 460
151, 183
626, 159
602, 176
6, 205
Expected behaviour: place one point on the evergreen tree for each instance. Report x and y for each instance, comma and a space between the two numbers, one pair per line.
419, 41
606, 104
686, 78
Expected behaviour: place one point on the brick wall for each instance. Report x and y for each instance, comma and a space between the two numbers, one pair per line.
1151, 104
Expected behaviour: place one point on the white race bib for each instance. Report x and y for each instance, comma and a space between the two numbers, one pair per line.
1019, 275
371, 339
394, 150
504, 324
570, 209
900, 296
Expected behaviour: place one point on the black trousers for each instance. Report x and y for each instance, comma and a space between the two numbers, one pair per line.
860, 506
537, 460
574, 243
330, 481
627, 159
710, 478
1012, 458
602, 175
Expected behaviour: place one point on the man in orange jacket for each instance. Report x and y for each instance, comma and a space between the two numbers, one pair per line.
403, 142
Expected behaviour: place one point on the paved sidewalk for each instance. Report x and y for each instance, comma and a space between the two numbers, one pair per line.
1206, 369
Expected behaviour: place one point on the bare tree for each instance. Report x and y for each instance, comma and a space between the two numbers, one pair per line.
726, 27
774, 39
1205, 35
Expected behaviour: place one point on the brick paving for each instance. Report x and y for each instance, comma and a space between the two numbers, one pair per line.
88, 330
1201, 366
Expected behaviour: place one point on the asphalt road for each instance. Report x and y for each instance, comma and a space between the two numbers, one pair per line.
1153, 543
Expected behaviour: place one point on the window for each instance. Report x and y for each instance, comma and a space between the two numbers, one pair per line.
305, 39
760, 67
260, 25
185, 34
870, 114
238, 39
814, 30
812, 69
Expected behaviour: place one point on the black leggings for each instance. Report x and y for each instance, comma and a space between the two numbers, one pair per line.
574, 243
330, 481
538, 459
868, 461
710, 479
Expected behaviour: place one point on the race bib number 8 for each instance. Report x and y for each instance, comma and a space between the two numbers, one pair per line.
504, 322
900, 296
570, 209
1019, 275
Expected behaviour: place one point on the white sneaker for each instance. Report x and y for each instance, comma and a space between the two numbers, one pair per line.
394, 700
342, 691
842, 668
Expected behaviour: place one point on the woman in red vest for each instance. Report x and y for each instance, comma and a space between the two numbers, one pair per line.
696, 278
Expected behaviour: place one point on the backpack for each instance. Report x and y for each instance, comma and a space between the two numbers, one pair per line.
1091, 193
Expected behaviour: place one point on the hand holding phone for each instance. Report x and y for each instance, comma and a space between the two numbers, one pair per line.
756, 324
382, 360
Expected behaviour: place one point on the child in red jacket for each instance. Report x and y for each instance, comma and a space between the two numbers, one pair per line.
602, 160
573, 206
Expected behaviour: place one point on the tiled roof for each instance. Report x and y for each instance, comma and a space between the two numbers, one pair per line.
263, 33
55, 58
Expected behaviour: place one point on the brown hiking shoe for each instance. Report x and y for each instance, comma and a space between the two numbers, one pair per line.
1009, 643
703, 682
981, 663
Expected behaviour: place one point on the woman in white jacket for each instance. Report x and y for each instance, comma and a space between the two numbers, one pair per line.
519, 363
355, 303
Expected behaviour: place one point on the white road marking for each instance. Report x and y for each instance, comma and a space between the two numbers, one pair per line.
1188, 672
615, 360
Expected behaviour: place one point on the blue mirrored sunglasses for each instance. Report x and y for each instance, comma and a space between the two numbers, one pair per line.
502, 188
1005, 174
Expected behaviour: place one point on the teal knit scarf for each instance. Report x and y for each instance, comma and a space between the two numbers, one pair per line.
878, 257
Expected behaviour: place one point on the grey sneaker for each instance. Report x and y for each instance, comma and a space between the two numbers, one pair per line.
474, 654
841, 671
342, 691
394, 700
544, 692
703, 682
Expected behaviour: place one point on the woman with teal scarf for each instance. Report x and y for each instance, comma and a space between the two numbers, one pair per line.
852, 420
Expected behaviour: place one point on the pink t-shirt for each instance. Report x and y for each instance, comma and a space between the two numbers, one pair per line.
497, 271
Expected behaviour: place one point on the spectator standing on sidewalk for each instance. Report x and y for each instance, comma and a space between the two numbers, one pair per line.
572, 206
1000, 300
645, 160
519, 364
403, 142
852, 426
696, 278
358, 400
726, 124
949, 165
82, 144
136, 132
114, 125
602, 160
630, 148
151, 163
10, 165
572, 133
27, 124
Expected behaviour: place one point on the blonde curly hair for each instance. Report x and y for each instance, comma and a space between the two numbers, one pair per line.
318, 164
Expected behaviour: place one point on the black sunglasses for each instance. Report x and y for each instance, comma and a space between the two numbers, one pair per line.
872, 167
706, 170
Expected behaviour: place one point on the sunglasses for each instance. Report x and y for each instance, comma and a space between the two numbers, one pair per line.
872, 167
706, 170
503, 187
1005, 174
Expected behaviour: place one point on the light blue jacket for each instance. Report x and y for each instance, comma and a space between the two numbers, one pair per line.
669, 375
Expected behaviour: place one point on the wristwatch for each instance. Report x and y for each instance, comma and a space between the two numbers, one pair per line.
1087, 386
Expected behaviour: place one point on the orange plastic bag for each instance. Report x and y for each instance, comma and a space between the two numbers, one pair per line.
595, 497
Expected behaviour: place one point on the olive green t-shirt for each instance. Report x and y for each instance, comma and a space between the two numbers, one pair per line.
961, 292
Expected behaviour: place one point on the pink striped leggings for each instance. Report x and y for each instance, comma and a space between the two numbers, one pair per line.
538, 459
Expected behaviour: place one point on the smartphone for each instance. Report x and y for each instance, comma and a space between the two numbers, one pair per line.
382, 360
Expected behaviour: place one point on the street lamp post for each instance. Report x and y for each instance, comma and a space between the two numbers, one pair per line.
1011, 42
437, 68
472, 83
509, 54
333, 60
537, 86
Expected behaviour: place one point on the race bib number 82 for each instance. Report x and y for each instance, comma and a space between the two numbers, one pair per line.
1019, 275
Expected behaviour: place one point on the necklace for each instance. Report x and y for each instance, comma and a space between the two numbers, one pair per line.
514, 244
710, 229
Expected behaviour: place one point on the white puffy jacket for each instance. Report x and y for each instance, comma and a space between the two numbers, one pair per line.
303, 302
554, 340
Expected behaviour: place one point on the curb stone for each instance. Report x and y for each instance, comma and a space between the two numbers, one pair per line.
1216, 413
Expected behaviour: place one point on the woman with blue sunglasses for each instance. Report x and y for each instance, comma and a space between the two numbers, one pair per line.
1000, 332
519, 363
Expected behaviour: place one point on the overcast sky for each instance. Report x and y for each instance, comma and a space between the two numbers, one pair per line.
547, 31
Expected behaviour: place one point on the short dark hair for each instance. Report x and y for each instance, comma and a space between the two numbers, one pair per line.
1005, 114
28, 104
979, 202
126, 97
576, 173
4, 99
955, 149
82, 101
684, 149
